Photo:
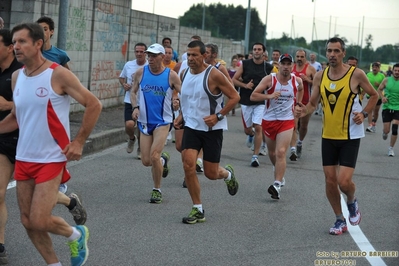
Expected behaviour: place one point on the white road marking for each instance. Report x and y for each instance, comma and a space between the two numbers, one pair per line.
12, 184
360, 239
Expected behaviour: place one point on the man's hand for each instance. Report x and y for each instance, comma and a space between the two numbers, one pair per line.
127, 86
211, 120
300, 110
178, 122
358, 118
4, 104
135, 114
250, 85
73, 151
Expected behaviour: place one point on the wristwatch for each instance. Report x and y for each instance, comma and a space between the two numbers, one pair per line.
365, 114
220, 116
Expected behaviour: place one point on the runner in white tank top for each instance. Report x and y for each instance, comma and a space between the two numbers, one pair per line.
202, 93
41, 112
281, 92
42, 115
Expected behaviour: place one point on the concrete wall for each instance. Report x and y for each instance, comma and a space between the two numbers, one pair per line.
101, 37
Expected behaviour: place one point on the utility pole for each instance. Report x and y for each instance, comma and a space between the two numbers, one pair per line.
247, 27
203, 16
62, 24
267, 11
314, 23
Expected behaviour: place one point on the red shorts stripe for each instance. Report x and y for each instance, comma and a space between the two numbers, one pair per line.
40, 172
272, 128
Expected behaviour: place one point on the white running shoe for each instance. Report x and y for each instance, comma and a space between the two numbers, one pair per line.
130, 145
63, 188
263, 151
391, 153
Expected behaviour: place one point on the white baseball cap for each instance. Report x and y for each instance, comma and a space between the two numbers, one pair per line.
156, 48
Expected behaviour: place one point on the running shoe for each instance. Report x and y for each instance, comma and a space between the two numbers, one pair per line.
138, 154
355, 216
63, 188
384, 136
282, 182
199, 167
79, 213
78, 247
370, 129
166, 158
274, 190
156, 196
263, 151
130, 145
299, 151
293, 155
254, 161
232, 184
391, 153
250, 140
3, 257
195, 216
339, 227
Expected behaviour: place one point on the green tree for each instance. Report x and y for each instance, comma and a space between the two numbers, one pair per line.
225, 21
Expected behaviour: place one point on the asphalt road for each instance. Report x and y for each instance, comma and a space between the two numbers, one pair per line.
247, 229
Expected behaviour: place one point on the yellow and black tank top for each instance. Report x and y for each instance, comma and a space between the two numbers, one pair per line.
339, 103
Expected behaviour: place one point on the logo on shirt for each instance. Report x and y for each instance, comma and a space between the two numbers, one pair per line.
156, 90
41, 92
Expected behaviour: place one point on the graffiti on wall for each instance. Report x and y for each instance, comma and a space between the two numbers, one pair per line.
104, 79
76, 31
113, 37
106, 8
167, 27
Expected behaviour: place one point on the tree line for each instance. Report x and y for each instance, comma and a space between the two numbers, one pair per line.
228, 21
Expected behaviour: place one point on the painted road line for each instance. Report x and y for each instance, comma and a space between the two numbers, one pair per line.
360, 239
11, 184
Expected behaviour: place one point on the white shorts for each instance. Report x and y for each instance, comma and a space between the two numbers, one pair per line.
252, 114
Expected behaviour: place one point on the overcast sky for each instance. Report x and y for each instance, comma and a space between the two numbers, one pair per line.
295, 17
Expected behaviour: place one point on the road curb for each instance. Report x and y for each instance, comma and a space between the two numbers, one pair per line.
103, 140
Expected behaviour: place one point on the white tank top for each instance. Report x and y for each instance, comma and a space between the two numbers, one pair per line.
281, 108
197, 101
43, 118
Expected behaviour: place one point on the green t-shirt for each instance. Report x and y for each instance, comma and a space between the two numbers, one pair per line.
375, 79
392, 93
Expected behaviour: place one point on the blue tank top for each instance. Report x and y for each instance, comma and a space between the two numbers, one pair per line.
155, 98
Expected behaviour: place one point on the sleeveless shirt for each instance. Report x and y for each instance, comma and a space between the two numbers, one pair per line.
197, 101
339, 103
43, 118
155, 97
282, 108
306, 85
254, 72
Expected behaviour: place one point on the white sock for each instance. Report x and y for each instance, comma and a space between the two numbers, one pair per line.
55, 264
198, 206
293, 148
228, 177
278, 183
75, 234
157, 189
299, 143
162, 161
